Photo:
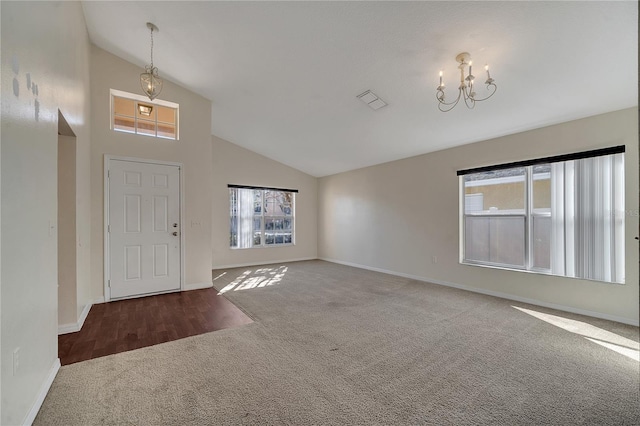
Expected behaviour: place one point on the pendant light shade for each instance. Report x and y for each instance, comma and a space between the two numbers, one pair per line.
149, 80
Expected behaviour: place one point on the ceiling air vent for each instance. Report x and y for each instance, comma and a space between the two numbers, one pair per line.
372, 100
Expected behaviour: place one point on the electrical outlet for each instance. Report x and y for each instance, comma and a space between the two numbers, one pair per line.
16, 361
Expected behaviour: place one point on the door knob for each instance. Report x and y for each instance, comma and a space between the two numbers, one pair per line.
175, 234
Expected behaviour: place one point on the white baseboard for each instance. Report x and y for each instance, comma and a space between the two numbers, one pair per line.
75, 326
499, 294
270, 262
197, 286
44, 389
99, 300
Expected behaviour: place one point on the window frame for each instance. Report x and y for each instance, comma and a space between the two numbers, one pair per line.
139, 99
262, 217
529, 212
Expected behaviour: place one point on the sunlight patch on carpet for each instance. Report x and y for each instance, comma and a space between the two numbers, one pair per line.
604, 338
259, 278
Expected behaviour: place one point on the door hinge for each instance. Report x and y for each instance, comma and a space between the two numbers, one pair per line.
108, 228
108, 174
109, 283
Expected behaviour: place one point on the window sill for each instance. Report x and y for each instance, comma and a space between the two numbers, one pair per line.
537, 272
263, 247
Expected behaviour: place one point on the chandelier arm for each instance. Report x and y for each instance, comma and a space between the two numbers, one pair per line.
469, 101
489, 86
452, 104
440, 98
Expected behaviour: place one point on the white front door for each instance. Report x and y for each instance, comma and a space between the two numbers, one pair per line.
143, 228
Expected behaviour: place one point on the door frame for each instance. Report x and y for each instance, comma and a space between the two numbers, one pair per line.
105, 221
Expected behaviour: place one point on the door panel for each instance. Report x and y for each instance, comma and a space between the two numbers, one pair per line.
144, 213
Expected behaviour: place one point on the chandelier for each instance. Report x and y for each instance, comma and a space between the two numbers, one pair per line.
466, 88
149, 80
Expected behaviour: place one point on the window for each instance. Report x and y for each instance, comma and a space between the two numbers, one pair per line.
261, 217
136, 114
560, 215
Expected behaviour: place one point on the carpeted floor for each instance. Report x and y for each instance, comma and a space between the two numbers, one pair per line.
337, 345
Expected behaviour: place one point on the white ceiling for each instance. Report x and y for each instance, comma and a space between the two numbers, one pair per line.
283, 76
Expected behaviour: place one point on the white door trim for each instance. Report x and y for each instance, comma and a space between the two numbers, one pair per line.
106, 248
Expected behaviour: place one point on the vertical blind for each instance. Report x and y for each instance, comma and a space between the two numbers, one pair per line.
587, 213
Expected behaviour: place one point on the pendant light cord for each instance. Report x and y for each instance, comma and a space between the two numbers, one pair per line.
151, 47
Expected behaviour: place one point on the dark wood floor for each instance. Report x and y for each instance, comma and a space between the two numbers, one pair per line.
131, 324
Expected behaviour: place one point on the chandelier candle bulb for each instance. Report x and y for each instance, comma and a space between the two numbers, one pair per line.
440, 78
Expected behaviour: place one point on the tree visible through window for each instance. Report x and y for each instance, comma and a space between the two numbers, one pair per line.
261, 217
558, 216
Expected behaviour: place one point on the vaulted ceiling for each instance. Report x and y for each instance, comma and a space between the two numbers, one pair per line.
283, 77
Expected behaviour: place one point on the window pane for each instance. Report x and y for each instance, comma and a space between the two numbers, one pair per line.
502, 190
495, 239
507, 240
124, 124
146, 128
269, 238
257, 230
542, 187
270, 202
166, 115
476, 239
542, 242
257, 201
122, 106
166, 131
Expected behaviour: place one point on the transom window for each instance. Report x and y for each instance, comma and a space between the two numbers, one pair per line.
135, 114
261, 217
554, 215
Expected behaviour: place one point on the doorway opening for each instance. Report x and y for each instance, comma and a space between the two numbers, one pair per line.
67, 268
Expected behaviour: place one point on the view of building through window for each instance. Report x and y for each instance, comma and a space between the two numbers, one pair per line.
261, 217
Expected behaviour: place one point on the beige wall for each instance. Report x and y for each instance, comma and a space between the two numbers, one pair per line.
193, 150
67, 278
45, 42
235, 165
399, 215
